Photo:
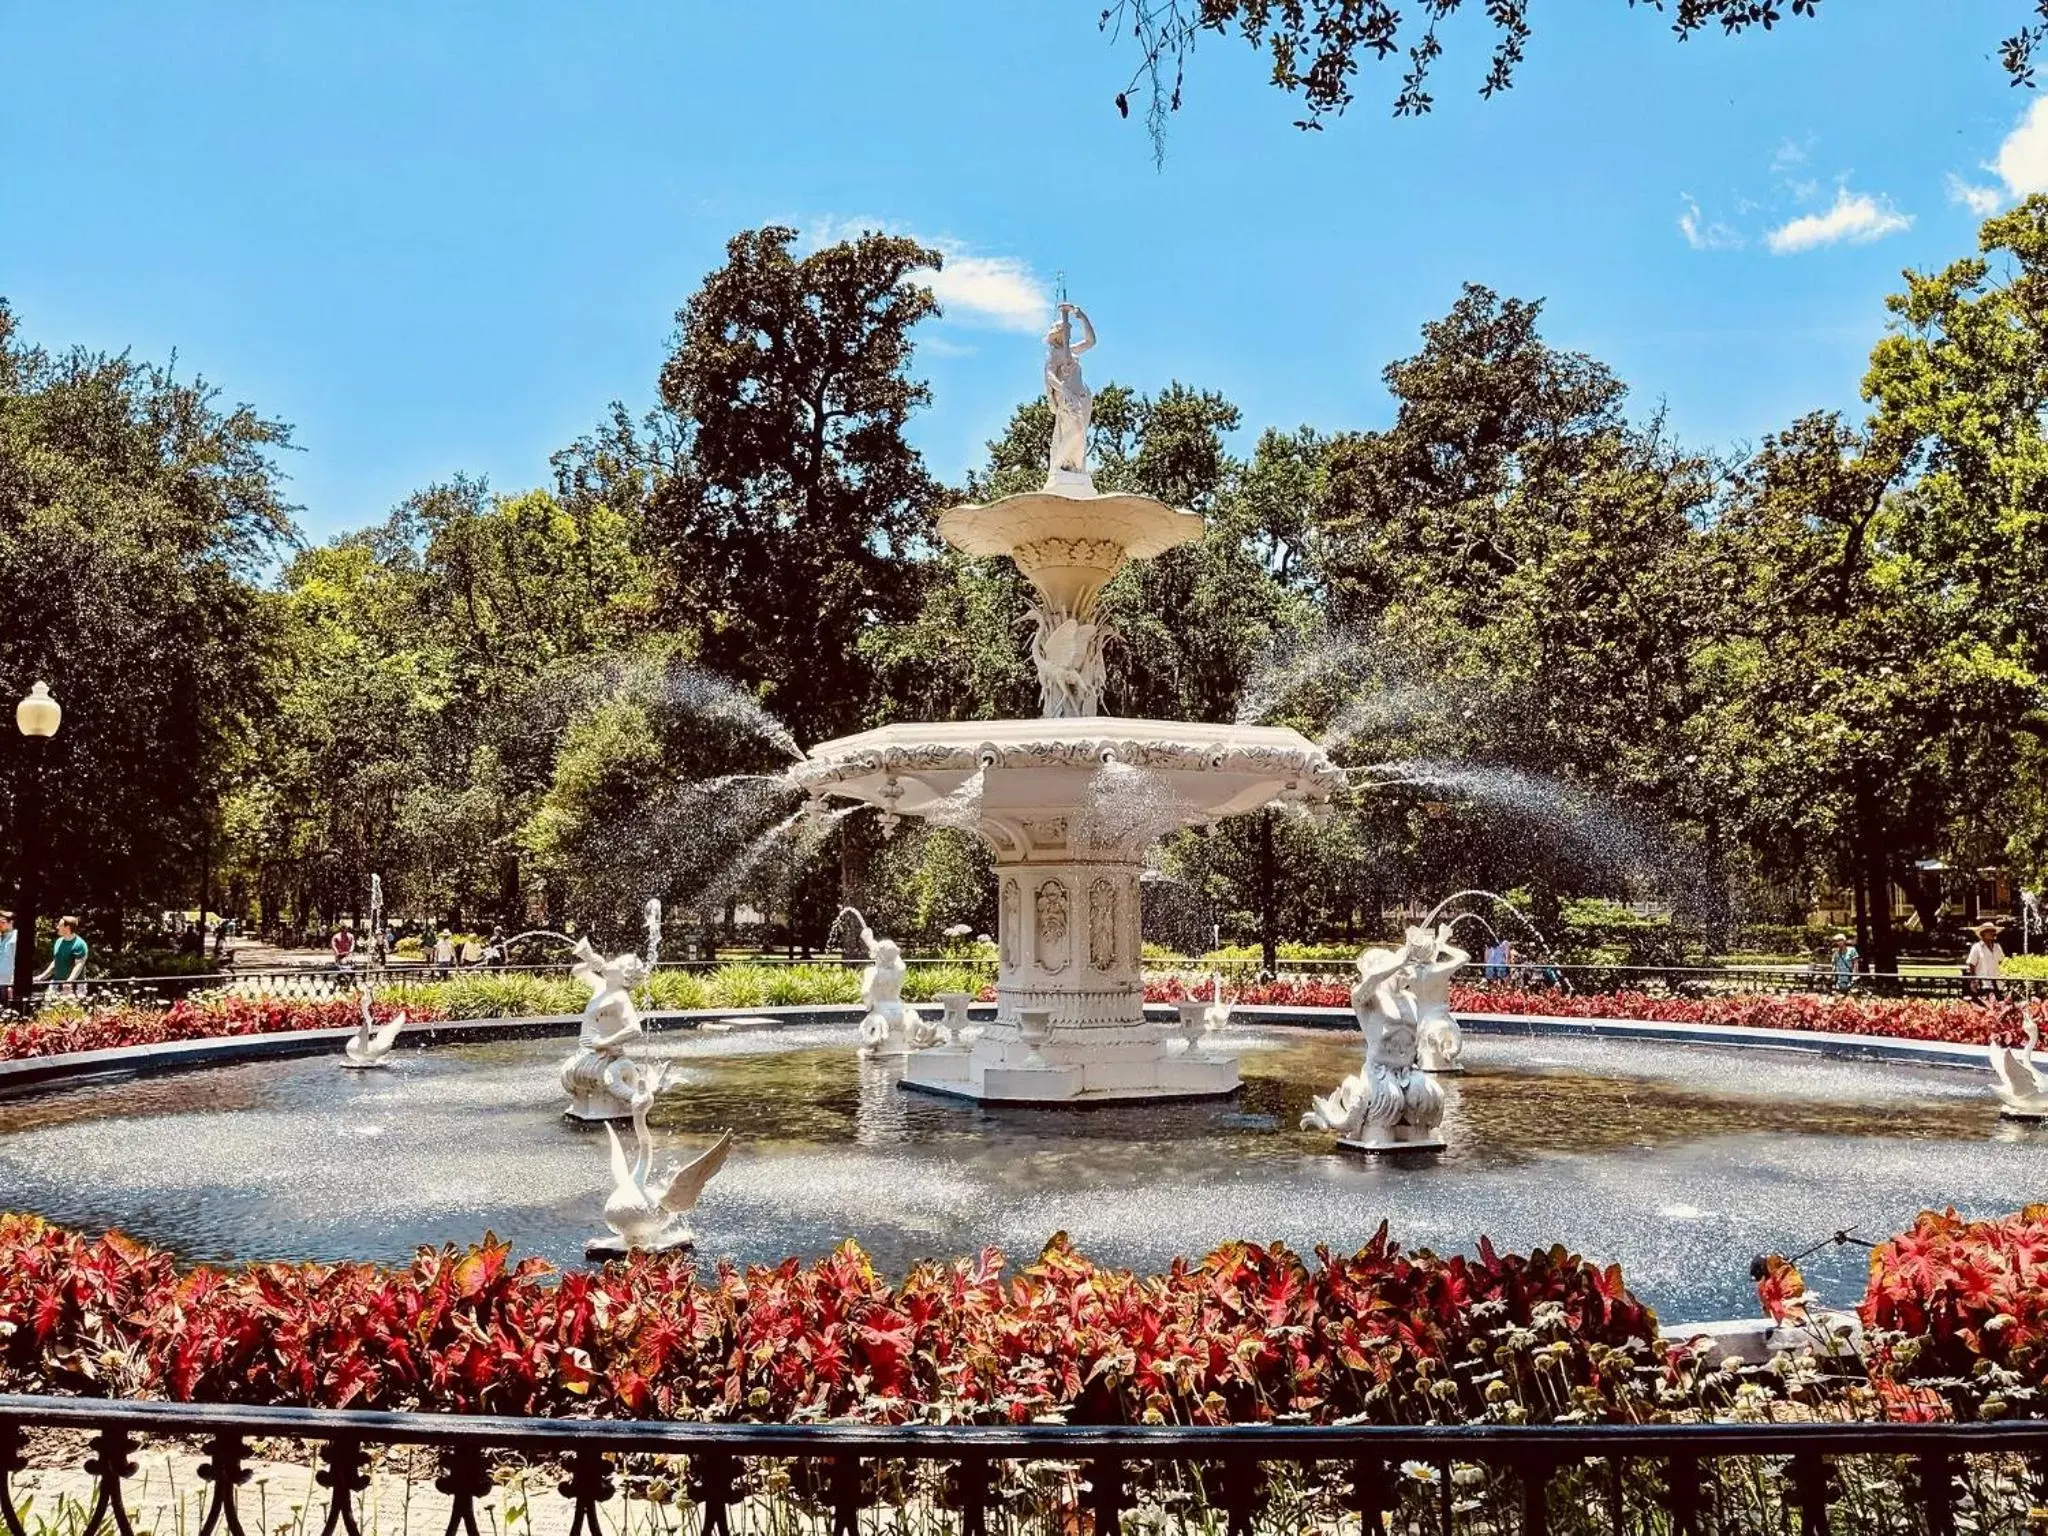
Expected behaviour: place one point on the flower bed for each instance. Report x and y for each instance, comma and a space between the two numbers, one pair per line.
1245, 1334
1960, 1023
493, 995
55, 1033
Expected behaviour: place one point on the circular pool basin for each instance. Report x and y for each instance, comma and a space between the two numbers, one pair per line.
1680, 1163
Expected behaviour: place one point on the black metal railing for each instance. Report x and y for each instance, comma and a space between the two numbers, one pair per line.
1656, 980
698, 1479
320, 982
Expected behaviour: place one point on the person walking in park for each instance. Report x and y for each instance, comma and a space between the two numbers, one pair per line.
6, 957
444, 954
344, 946
1497, 960
1981, 965
1843, 956
67, 957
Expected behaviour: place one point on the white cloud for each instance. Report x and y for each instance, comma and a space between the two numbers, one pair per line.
2022, 160
999, 291
996, 292
1856, 218
1979, 200
1701, 233
1789, 155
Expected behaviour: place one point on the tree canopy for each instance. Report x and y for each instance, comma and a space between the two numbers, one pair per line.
1561, 651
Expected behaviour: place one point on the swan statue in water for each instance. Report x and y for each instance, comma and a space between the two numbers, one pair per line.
368, 1046
646, 1210
2017, 1083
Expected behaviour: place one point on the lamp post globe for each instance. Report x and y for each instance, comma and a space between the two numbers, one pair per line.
38, 714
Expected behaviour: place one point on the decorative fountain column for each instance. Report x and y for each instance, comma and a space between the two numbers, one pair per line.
1070, 801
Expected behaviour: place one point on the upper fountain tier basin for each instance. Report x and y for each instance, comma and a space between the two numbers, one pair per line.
1184, 774
1066, 539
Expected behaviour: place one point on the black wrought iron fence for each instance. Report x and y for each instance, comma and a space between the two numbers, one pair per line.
73, 1467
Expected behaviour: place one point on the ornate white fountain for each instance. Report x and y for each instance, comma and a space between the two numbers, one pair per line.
1071, 800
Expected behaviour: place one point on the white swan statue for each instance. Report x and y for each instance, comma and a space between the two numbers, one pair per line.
2021, 1093
368, 1046
647, 1211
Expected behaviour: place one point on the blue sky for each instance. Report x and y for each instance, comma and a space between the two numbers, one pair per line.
440, 237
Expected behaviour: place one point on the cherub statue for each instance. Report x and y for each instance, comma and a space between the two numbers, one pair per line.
1433, 960
600, 1079
609, 1019
1068, 395
1391, 1104
891, 1027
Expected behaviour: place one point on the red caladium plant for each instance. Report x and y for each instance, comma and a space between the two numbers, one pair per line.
1244, 1334
1961, 1023
1949, 1297
100, 1029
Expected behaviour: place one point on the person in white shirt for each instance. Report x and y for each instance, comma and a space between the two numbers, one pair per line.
1980, 966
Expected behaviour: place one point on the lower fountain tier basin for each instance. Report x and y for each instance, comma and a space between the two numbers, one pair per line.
999, 1068
1182, 773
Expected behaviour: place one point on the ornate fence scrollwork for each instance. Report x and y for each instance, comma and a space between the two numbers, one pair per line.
226, 1470
344, 1473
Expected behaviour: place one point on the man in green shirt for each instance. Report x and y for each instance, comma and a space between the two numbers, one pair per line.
67, 955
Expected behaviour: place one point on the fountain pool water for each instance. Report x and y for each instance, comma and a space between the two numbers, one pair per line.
1679, 1163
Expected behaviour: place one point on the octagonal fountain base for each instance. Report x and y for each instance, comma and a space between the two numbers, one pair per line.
1140, 1063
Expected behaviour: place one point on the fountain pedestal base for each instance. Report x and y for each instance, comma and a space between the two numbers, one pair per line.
1140, 1062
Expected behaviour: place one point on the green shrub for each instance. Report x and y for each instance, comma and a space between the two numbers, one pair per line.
741, 984
2026, 967
792, 986
926, 982
150, 962
502, 995
1252, 954
678, 990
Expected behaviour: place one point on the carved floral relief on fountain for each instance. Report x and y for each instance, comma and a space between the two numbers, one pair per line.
1047, 834
1050, 936
1008, 927
1102, 924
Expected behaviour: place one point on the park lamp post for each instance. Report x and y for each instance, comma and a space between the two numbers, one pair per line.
37, 716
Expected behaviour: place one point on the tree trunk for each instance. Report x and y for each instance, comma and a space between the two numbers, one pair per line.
205, 871
1876, 865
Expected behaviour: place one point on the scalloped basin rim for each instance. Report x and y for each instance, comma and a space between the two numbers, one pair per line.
1143, 526
1108, 730
1212, 770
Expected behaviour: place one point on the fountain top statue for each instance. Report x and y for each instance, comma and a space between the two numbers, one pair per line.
1072, 404
1067, 538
